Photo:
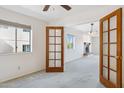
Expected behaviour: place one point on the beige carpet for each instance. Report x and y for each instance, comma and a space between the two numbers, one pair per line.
81, 73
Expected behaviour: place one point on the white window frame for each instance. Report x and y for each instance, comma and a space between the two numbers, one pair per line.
17, 25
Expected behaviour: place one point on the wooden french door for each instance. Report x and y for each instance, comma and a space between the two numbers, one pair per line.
111, 49
54, 49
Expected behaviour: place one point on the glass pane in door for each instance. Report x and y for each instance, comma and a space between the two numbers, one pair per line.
58, 47
51, 55
113, 76
113, 63
113, 49
105, 37
51, 40
51, 48
105, 61
51, 32
58, 63
51, 63
58, 32
113, 36
105, 48
105, 26
58, 55
105, 73
113, 22
58, 40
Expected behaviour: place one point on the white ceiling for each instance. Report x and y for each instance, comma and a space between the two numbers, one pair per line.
79, 17
87, 27
55, 12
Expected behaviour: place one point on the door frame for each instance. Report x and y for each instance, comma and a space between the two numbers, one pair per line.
105, 82
54, 69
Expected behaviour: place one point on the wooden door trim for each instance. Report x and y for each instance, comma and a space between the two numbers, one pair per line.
106, 84
54, 69
54, 27
117, 12
119, 44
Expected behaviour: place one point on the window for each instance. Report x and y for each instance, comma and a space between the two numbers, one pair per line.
7, 39
14, 38
26, 48
70, 41
23, 40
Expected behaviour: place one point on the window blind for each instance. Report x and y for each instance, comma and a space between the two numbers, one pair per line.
14, 24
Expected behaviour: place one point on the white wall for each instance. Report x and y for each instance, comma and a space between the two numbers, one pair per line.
27, 62
95, 45
77, 52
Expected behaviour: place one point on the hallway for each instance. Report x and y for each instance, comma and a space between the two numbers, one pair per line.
81, 73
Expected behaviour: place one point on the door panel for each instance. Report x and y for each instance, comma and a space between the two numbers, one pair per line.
58, 40
111, 49
51, 55
54, 49
113, 37
105, 37
51, 63
58, 32
105, 72
51, 40
51, 32
58, 55
113, 63
113, 76
105, 47
105, 25
58, 63
113, 22
58, 48
105, 61
51, 48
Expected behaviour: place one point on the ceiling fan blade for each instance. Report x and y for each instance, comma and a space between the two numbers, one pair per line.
46, 7
67, 7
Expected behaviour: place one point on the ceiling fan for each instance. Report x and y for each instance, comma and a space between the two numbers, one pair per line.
66, 7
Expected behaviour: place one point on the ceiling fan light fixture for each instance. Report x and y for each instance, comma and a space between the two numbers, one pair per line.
46, 7
91, 31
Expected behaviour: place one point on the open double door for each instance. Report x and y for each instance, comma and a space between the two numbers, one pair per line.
111, 49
